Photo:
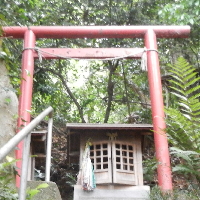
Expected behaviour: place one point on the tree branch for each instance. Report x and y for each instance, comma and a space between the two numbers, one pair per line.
110, 89
80, 110
144, 100
126, 90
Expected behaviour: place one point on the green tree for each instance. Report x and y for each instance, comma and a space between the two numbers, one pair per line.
181, 12
122, 93
108, 95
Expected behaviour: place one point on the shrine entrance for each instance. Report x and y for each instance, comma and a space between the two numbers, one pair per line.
148, 33
114, 162
116, 156
115, 151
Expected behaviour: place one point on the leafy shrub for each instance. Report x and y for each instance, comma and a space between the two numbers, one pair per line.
7, 189
191, 193
189, 164
149, 170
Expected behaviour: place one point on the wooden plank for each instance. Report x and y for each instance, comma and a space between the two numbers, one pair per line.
74, 153
40, 155
40, 138
139, 160
89, 53
39, 132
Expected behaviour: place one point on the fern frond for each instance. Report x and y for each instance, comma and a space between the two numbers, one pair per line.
191, 82
192, 90
188, 73
181, 66
177, 83
175, 150
196, 114
190, 164
195, 106
184, 169
182, 97
185, 106
183, 124
195, 96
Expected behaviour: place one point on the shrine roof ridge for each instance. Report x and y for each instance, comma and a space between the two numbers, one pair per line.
108, 126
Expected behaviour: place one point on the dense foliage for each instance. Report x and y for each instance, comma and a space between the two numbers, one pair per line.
115, 90
95, 91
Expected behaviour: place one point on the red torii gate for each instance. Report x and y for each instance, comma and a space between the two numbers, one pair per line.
150, 35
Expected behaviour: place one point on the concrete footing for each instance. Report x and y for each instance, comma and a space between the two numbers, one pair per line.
113, 192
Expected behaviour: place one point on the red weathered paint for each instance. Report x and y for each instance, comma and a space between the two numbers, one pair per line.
157, 107
89, 53
25, 99
97, 31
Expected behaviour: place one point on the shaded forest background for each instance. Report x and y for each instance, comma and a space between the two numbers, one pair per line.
114, 91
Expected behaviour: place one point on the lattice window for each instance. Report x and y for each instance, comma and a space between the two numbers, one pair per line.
99, 155
124, 157
114, 162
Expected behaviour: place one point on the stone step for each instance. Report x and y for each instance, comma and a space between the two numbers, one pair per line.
49, 193
113, 193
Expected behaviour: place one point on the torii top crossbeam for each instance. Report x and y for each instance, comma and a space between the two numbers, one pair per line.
150, 35
97, 31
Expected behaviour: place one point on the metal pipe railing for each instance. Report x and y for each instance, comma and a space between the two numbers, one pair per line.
48, 153
24, 171
25, 134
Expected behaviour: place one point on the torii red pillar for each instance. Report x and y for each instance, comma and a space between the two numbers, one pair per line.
26, 88
157, 107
